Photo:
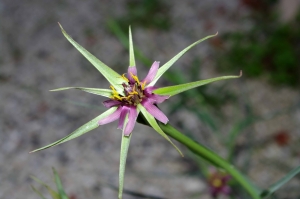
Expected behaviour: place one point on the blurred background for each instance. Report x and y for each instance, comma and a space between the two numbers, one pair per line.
253, 121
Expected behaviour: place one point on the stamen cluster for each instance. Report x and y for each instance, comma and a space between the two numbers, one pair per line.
133, 91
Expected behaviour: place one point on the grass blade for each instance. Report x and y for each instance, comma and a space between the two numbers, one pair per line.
280, 183
59, 186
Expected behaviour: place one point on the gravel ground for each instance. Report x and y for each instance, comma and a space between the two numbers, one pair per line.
35, 57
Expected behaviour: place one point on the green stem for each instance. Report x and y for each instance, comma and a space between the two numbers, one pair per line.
211, 157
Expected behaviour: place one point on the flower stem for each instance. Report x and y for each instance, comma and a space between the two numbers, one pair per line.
212, 158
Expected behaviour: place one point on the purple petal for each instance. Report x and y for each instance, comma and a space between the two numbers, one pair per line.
155, 112
111, 103
112, 117
225, 190
158, 98
131, 71
149, 90
152, 72
123, 114
131, 121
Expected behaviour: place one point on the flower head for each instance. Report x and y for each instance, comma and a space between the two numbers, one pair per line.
218, 183
134, 92
129, 97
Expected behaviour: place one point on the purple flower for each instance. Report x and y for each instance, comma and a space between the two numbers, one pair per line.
135, 92
218, 183
129, 97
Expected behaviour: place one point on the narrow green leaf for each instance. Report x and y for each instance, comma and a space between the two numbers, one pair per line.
81, 130
151, 120
59, 186
280, 183
96, 91
167, 65
123, 156
113, 77
51, 191
131, 50
173, 90
37, 192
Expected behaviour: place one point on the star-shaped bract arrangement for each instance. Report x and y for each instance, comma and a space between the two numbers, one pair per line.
129, 97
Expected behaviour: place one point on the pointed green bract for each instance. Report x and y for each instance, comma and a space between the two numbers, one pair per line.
59, 186
151, 120
173, 90
280, 183
81, 130
113, 77
123, 156
167, 65
96, 91
131, 50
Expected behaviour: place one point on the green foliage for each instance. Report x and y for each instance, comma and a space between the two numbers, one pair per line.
117, 83
147, 14
270, 48
280, 183
165, 130
59, 194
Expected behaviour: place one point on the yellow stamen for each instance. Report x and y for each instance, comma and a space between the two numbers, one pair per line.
135, 78
143, 84
125, 78
116, 97
217, 183
113, 89
115, 94
133, 93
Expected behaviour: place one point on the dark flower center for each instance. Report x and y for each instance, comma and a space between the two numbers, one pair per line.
133, 93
